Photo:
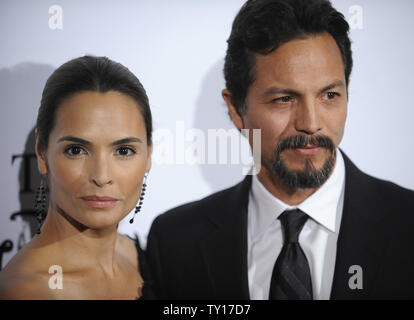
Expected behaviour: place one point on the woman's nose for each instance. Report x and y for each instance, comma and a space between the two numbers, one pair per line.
100, 173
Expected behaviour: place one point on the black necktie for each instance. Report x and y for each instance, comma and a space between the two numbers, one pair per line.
291, 278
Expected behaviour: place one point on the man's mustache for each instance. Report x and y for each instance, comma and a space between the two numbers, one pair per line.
301, 141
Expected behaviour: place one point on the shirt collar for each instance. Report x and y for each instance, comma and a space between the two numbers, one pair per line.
321, 206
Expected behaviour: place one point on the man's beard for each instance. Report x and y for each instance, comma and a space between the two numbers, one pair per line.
309, 177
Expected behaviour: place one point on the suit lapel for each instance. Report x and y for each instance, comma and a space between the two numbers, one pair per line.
362, 235
225, 248
361, 241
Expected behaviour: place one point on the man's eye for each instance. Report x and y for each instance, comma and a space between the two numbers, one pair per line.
74, 151
126, 151
331, 95
283, 99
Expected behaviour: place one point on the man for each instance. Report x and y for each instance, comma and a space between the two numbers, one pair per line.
310, 225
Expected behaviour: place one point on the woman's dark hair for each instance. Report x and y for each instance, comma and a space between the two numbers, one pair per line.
88, 73
261, 26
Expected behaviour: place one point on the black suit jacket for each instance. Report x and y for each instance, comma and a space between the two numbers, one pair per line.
199, 250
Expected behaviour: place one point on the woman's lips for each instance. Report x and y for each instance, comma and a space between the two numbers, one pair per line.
99, 202
307, 151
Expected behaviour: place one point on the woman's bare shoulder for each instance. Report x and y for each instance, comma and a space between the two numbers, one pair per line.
25, 276
23, 286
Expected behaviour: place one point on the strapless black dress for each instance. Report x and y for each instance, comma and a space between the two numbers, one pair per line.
147, 289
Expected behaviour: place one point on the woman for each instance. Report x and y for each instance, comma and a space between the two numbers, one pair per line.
93, 147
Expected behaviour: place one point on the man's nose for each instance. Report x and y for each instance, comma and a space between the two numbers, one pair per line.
307, 117
100, 171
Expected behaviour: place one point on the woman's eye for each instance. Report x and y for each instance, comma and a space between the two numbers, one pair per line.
74, 151
126, 151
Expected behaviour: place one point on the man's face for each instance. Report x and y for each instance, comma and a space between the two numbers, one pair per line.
299, 101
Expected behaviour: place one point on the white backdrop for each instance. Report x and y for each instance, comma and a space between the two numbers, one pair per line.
176, 48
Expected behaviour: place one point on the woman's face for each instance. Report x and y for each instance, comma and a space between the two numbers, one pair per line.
96, 158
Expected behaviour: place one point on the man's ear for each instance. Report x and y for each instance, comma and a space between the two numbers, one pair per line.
234, 114
41, 157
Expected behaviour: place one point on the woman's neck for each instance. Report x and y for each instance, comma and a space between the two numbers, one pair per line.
81, 248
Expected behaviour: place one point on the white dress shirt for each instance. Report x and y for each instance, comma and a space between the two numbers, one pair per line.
318, 237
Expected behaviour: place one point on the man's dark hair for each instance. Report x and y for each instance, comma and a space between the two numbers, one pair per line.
88, 73
261, 26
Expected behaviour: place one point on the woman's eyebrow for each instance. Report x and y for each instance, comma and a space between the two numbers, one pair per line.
74, 139
88, 143
126, 140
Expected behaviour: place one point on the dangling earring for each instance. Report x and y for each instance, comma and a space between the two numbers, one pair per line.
141, 198
40, 203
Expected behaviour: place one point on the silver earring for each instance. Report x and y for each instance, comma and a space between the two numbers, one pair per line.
40, 203
141, 198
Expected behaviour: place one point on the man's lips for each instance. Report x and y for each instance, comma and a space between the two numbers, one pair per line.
308, 150
99, 202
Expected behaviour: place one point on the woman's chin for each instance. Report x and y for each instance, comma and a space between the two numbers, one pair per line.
96, 222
